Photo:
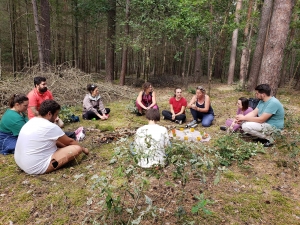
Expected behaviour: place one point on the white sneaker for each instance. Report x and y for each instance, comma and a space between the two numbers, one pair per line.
178, 121
192, 124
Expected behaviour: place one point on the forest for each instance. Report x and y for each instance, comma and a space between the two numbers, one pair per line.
226, 46
243, 42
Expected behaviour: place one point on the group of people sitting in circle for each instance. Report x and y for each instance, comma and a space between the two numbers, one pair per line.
41, 146
151, 140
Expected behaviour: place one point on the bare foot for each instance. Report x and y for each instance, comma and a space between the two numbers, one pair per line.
85, 151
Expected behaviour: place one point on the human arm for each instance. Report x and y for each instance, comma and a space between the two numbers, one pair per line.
139, 100
34, 110
206, 107
192, 103
102, 109
153, 100
64, 141
252, 117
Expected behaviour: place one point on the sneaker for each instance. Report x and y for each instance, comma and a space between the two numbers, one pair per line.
223, 128
178, 121
139, 114
268, 144
195, 125
190, 124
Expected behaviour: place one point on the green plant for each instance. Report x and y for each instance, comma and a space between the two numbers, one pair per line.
65, 114
192, 91
201, 205
233, 148
131, 107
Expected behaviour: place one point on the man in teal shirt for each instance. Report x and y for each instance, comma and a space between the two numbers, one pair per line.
266, 118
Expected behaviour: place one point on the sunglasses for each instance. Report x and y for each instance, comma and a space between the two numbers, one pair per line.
200, 88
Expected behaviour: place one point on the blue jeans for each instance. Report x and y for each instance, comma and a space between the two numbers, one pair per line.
206, 118
7, 143
168, 115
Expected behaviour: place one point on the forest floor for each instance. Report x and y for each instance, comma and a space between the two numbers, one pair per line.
228, 180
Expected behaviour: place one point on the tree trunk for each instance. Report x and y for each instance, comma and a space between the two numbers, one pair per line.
29, 58
12, 12
246, 50
38, 34
45, 31
164, 59
183, 69
125, 46
276, 42
198, 66
110, 42
209, 54
260, 43
234, 43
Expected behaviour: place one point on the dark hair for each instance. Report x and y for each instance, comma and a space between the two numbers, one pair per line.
153, 114
91, 87
17, 98
200, 88
264, 89
38, 80
175, 90
146, 86
245, 103
48, 105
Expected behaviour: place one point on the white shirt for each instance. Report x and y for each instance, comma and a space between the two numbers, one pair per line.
150, 143
36, 144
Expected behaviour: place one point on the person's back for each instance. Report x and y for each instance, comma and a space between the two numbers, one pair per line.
42, 146
35, 145
150, 143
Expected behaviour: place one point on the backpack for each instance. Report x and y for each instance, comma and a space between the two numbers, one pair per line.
253, 102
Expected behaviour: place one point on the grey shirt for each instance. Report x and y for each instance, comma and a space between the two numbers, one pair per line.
93, 104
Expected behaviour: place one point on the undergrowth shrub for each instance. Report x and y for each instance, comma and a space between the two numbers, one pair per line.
233, 148
186, 161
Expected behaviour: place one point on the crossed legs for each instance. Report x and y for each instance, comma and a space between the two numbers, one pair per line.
63, 156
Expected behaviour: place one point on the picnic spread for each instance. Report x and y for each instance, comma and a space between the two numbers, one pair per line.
189, 134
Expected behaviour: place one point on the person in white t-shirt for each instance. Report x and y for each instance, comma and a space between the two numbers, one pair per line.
42, 146
151, 141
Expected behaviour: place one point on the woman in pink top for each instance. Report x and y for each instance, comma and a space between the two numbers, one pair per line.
244, 109
146, 99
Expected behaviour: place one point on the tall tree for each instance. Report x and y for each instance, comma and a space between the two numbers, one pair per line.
234, 43
260, 43
38, 35
45, 31
275, 44
198, 65
12, 15
110, 41
125, 46
246, 48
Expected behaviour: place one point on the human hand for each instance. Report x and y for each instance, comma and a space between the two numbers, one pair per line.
104, 117
173, 116
239, 118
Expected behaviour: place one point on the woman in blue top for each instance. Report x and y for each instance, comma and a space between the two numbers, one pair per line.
11, 123
201, 108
